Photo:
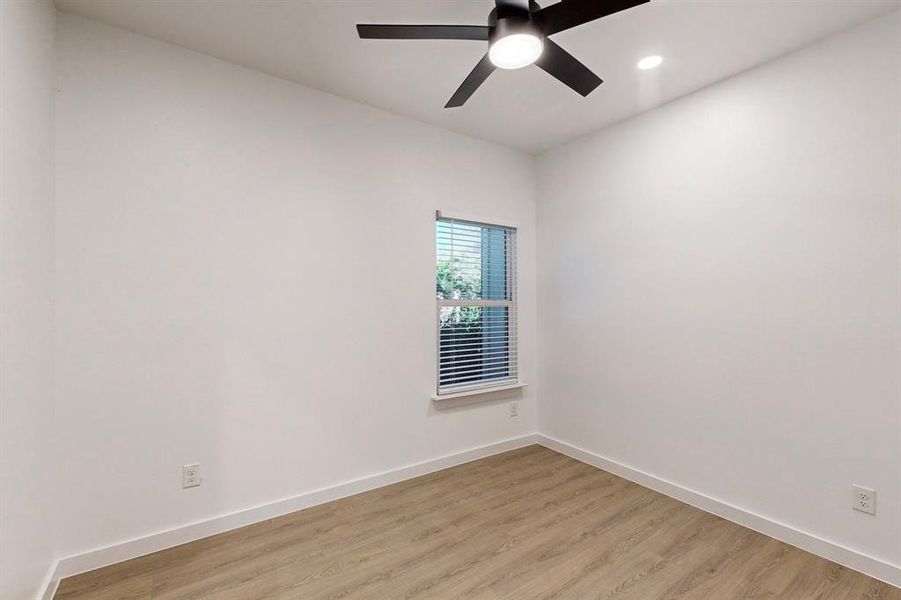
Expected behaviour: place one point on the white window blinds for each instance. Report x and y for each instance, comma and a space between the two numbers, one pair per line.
476, 289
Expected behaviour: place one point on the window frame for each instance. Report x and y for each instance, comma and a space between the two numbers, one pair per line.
512, 380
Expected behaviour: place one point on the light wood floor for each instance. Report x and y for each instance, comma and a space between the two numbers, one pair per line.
530, 523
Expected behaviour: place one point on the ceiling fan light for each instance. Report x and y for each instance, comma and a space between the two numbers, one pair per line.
515, 51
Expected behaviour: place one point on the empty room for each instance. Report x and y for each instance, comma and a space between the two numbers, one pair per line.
450, 299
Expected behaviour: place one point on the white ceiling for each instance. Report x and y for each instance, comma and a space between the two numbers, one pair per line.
314, 42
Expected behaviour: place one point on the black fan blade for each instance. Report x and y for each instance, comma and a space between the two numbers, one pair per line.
561, 64
472, 82
569, 13
424, 32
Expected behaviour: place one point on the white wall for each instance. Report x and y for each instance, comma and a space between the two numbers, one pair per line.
245, 279
27, 550
719, 289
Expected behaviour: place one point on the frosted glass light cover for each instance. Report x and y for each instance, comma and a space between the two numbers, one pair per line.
515, 51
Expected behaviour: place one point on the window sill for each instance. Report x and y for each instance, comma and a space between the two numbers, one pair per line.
479, 392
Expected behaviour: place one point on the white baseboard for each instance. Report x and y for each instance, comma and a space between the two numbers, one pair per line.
101, 557
51, 582
852, 559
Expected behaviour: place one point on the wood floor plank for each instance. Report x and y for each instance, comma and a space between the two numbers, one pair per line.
530, 523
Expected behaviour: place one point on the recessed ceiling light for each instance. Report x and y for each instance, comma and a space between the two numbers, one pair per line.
649, 62
515, 51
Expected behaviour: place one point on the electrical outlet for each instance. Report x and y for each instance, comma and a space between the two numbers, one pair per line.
514, 408
190, 475
864, 499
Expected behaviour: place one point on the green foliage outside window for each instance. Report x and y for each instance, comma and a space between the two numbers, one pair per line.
454, 283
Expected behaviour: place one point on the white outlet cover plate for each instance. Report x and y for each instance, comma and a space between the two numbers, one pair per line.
190, 475
864, 499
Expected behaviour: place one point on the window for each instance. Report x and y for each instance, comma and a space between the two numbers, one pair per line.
476, 288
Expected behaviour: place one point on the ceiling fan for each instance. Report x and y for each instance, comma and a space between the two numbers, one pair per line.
517, 35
